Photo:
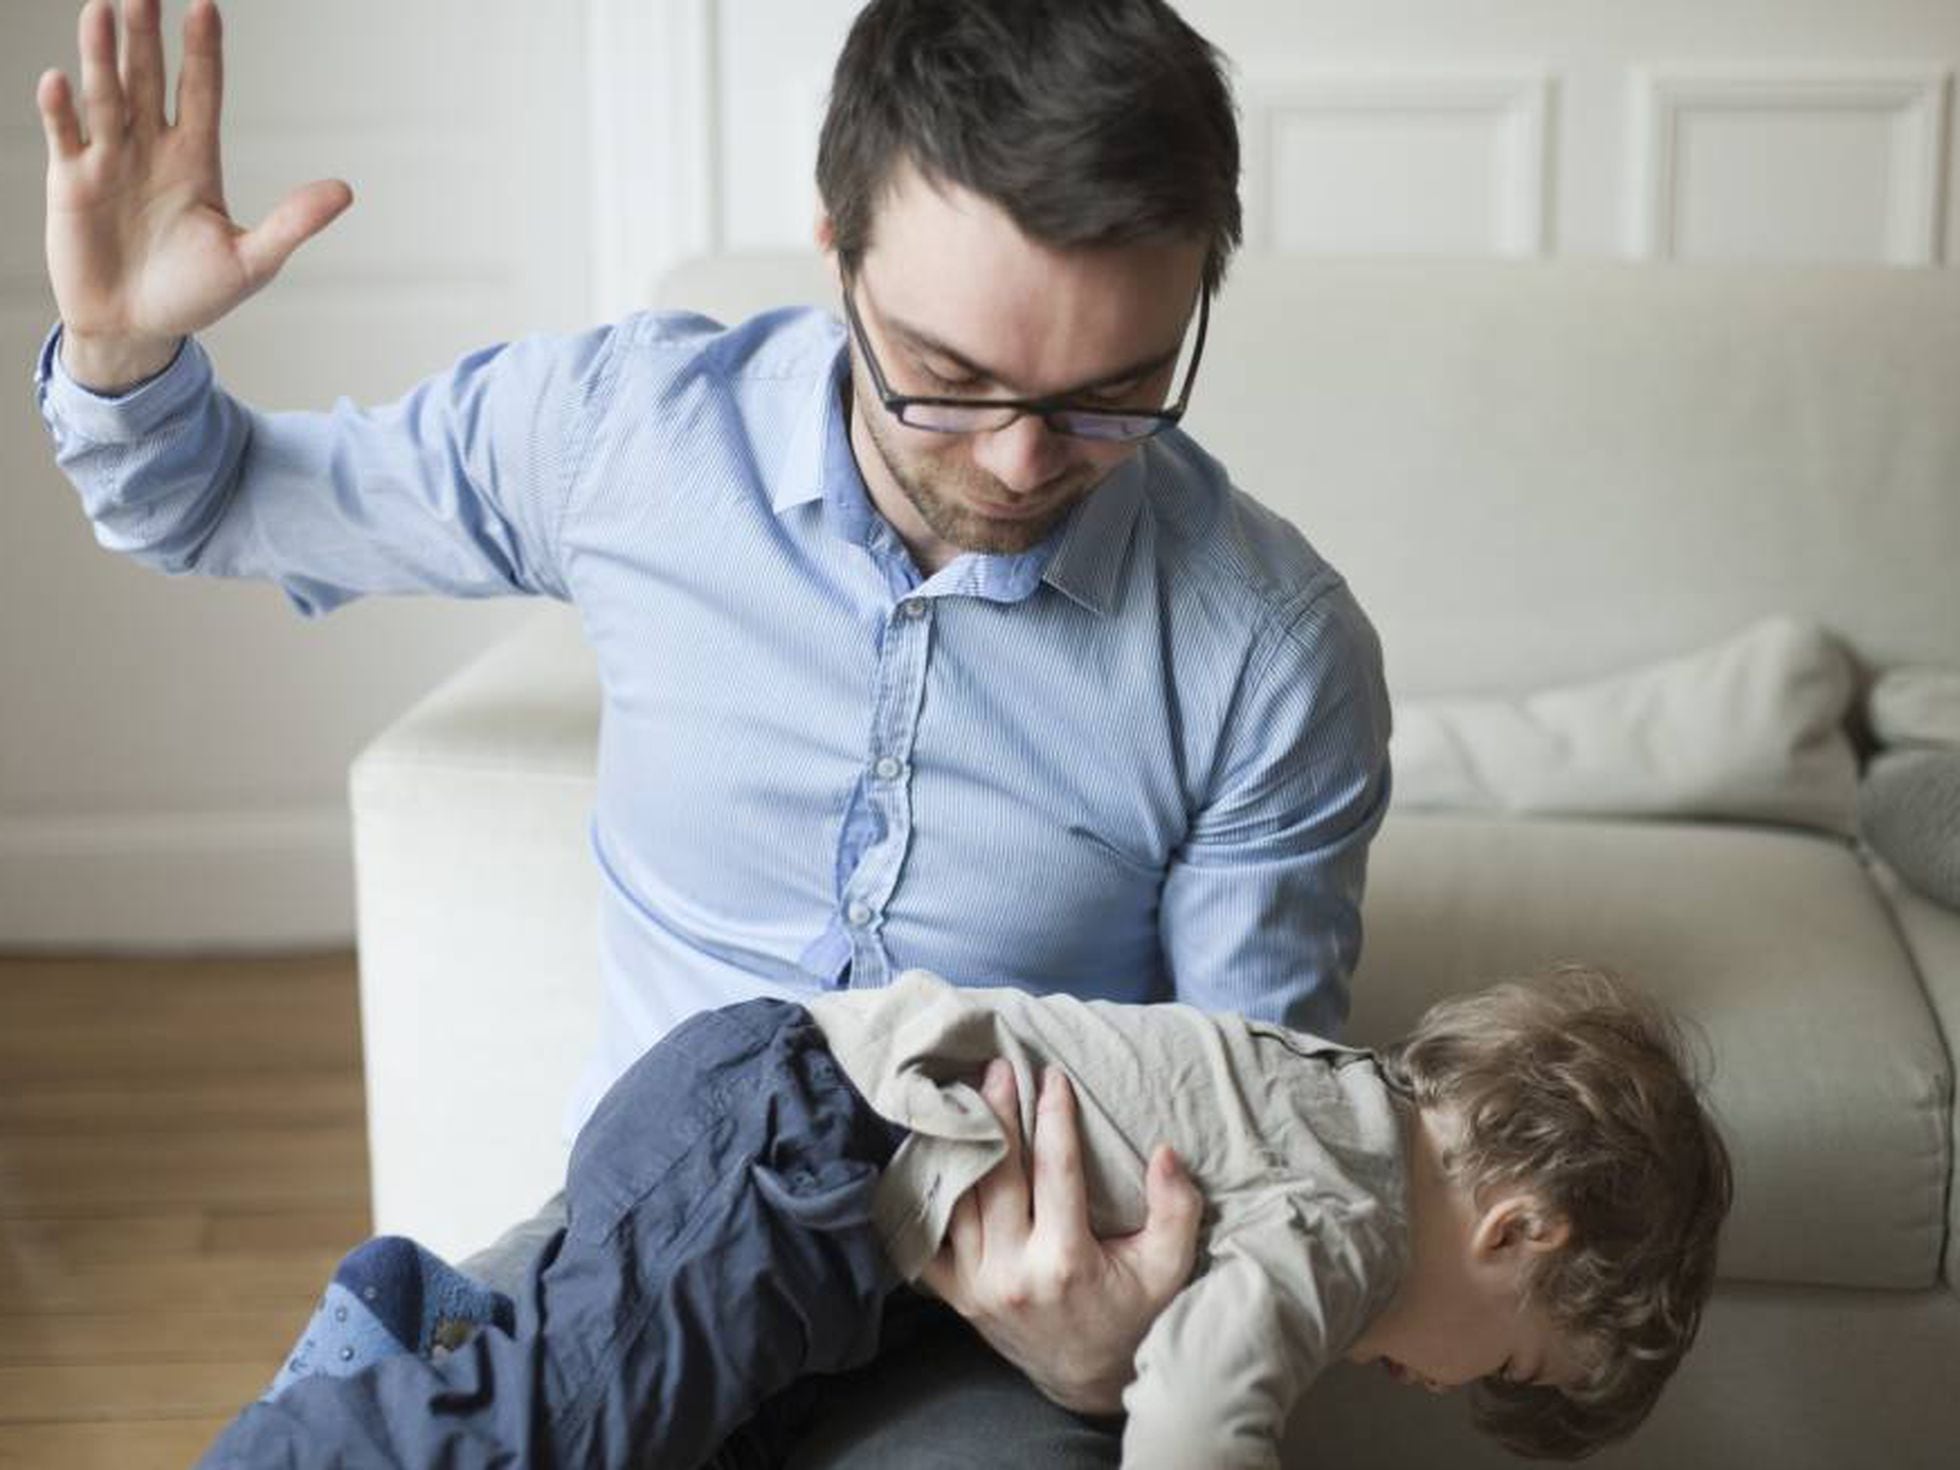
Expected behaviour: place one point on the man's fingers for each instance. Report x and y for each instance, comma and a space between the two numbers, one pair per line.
1162, 1253
1061, 1194
298, 217
58, 120
964, 1239
949, 1272
1003, 1191
965, 1235
102, 93
142, 72
201, 77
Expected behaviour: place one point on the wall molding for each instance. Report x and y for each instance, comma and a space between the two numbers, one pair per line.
184, 880
1517, 105
654, 124
1917, 97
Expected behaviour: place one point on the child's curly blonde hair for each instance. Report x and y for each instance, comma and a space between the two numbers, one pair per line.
1578, 1089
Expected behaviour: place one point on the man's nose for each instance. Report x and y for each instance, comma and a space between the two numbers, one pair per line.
1024, 456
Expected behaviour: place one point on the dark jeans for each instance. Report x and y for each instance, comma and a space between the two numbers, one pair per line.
935, 1398
717, 1249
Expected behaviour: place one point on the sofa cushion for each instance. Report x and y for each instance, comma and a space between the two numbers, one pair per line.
1828, 1075
478, 901
1751, 728
1916, 706
1909, 811
1931, 933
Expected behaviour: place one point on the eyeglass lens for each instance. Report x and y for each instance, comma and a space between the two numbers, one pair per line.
983, 418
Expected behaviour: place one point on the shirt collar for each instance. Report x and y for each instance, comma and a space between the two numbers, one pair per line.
1090, 546
818, 464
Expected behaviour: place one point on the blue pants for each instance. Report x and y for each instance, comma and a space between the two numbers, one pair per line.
718, 1247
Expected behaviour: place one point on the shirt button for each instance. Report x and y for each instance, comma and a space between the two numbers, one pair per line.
887, 769
859, 914
912, 609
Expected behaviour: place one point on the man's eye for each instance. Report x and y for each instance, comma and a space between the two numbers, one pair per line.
1120, 396
951, 382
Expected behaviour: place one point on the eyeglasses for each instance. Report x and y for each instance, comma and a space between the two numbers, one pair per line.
984, 415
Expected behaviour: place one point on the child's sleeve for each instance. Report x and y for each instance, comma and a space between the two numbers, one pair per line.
1223, 1366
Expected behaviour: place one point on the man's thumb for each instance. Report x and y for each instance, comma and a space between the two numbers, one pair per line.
293, 221
1166, 1248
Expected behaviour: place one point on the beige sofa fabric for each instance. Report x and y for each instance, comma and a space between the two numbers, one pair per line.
1932, 937
1916, 706
1752, 728
1832, 1085
477, 899
1780, 1378
1909, 812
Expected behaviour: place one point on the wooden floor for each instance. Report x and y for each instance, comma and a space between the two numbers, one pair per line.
182, 1160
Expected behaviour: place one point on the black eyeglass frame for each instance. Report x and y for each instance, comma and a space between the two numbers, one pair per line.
1048, 410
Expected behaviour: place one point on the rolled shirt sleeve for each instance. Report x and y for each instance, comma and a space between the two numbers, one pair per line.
1223, 1366
456, 488
1262, 905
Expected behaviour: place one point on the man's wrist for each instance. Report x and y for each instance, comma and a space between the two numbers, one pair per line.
112, 366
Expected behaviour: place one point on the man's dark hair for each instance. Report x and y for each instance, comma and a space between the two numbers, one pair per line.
1091, 122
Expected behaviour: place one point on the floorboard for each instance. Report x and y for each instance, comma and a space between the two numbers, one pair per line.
183, 1156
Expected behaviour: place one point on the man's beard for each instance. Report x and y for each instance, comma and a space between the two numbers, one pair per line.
938, 492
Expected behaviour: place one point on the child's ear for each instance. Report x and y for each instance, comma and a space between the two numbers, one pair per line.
1522, 1223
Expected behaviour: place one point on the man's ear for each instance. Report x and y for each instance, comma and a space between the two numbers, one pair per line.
1519, 1223
826, 233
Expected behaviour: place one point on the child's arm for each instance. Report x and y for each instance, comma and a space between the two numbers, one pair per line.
1225, 1363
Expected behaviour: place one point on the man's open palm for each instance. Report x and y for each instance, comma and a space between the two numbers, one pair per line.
141, 247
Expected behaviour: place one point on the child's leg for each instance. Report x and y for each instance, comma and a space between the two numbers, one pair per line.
718, 1246
755, 1261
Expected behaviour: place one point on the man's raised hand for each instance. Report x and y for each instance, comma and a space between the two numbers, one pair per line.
1022, 1265
142, 250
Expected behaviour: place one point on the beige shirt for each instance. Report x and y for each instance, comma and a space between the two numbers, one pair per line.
1296, 1142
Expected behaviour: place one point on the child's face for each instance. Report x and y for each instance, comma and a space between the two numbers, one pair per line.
1462, 1312
1441, 1350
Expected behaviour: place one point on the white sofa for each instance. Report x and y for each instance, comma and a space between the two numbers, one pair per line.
1532, 475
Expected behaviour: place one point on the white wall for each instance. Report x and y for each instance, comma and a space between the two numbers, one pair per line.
1687, 129
172, 754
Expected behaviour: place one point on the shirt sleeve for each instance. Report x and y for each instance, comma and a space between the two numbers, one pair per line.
1223, 1366
456, 488
1261, 909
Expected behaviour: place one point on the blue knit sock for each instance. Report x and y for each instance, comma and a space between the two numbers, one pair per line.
388, 1296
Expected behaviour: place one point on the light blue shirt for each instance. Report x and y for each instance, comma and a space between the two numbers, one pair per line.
1142, 761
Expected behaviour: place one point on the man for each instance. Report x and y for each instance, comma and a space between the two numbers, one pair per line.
924, 639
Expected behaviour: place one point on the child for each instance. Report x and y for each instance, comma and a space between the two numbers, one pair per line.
1524, 1193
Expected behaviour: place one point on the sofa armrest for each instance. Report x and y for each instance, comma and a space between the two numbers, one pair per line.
477, 901
1931, 933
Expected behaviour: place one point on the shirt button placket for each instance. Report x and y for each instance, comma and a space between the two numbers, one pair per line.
900, 693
